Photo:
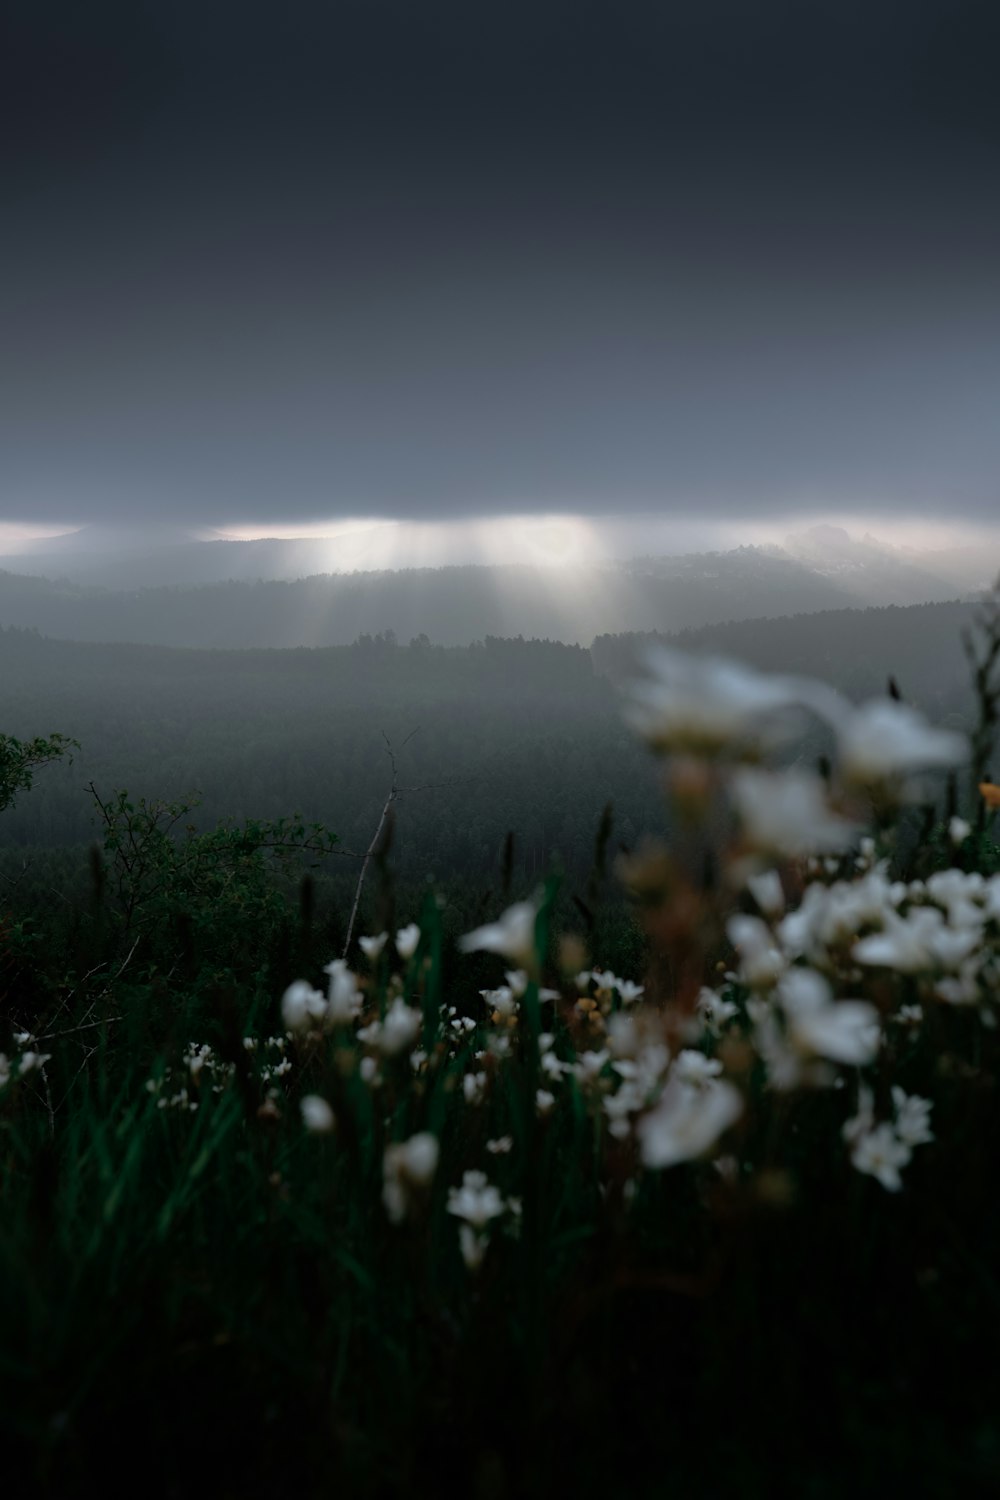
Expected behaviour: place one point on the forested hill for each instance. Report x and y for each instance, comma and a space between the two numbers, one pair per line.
453, 605
511, 734
854, 649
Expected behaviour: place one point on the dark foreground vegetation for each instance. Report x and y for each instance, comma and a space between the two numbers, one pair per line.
676, 1177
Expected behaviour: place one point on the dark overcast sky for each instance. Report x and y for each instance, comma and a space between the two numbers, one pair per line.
293, 261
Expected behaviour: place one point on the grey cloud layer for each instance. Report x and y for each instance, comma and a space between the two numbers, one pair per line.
289, 265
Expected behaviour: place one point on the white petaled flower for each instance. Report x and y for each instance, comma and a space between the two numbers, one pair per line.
766, 889
588, 1066
502, 1002
881, 1154
715, 1012
512, 936
628, 991
913, 1118
842, 1031
407, 939
688, 1121
916, 942
544, 1101
477, 1201
407, 1167
30, 1061
695, 1068
474, 1088
958, 830
501, 1146
400, 1028
371, 947
301, 1006
619, 1106
786, 814
317, 1116
883, 741
710, 706
344, 999
761, 961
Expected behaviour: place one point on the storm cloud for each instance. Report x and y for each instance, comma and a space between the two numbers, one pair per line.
267, 263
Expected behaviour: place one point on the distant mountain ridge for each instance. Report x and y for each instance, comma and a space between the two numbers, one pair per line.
456, 605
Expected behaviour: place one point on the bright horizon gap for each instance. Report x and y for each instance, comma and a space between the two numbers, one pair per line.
559, 539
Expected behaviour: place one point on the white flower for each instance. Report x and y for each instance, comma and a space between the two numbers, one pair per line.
843, 1031
477, 1201
884, 740
619, 1106
715, 1011
761, 961
513, 935
588, 1066
474, 1088
407, 1166
687, 1121
501, 1146
400, 1028
544, 1101
916, 942
910, 1015
709, 705
786, 813
913, 1123
961, 988
766, 890
371, 947
301, 1005
958, 830
407, 939
628, 991
880, 1154
502, 1002
344, 999
317, 1116
695, 1068
29, 1061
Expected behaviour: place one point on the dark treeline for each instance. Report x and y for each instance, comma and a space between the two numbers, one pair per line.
514, 736
511, 735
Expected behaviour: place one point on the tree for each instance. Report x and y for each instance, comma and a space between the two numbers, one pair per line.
20, 759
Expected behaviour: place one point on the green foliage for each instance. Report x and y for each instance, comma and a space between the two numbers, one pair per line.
20, 759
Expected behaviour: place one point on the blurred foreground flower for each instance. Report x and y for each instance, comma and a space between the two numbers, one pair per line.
712, 706
785, 814
407, 1167
883, 743
317, 1116
407, 939
512, 936
688, 1120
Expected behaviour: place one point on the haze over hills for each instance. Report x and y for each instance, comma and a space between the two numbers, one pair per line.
266, 593
166, 554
